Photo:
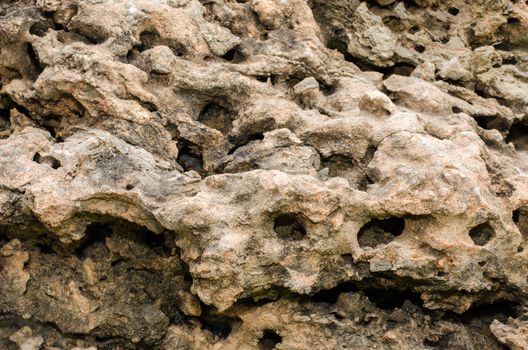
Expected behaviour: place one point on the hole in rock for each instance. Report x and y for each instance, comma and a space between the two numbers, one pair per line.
499, 310
401, 68
264, 78
369, 154
148, 40
187, 277
456, 110
489, 122
34, 59
338, 317
250, 138
337, 43
39, 28
520, 218
394, 23
95, 238
453, 11
289, 227
380, 232
327, 90
178, 50
292, 81
445, 39
518, 135
516, 216
349, 169
190, 156
45, 248
217, 117
75, 34
481, 234
478, 90
513, 21
4, 237
171, 310
339, 31
229, 55
414, 29
364, 183
50, 129
5, 119
269, 340
430, 342
347, 259
129, 187
149, 106
158, 243
388, 299
106, 342
132, 55
59, 27
51, 161
410, 4
509, 60
419, 48
330, 296
442, 342
235, 54
219, 326
271, 295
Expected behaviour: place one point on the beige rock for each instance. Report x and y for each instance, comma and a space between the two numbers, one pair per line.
514, 334
184, 174
25, 340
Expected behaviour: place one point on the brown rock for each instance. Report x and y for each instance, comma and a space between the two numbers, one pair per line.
184, 174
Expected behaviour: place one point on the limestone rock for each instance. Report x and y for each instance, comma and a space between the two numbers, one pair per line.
288, 174
513, 334
23, 338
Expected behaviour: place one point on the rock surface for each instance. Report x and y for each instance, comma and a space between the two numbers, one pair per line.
263, 174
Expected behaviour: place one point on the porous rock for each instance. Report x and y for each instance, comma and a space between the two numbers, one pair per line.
288, 174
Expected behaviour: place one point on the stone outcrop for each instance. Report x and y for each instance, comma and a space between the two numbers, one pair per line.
288, 174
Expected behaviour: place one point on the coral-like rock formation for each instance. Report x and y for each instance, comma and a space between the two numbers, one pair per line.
263, 174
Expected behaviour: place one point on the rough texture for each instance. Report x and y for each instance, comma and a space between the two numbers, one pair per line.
288, 174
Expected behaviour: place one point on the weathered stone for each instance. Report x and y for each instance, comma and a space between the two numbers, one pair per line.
184, 174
